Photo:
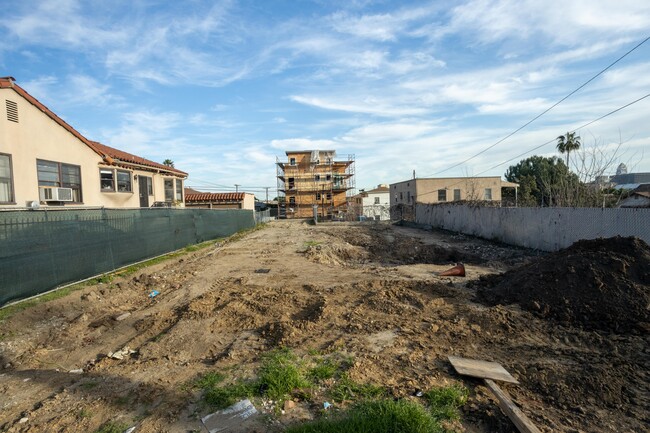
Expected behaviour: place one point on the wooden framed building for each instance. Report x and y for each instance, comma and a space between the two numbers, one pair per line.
314, 178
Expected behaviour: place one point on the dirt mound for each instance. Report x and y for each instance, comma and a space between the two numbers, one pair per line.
598, 284
340, 254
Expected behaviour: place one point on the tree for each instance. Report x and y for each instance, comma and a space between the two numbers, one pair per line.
544, 182
169, 163
568, 143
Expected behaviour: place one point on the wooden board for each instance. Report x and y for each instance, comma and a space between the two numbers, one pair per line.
519, 419
482, 369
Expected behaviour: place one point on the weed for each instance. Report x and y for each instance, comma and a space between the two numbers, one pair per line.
312, 243
445, 402
89, 385
346, 389
83, 413
209, 380
224, 396
325, 369
378, 416
122, 400
280, 373
111, 427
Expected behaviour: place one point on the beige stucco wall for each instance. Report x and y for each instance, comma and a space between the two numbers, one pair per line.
249, 201
37, 136
426, 190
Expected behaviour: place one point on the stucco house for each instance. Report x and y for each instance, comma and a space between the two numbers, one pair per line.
374, 204
46, 162
449, 189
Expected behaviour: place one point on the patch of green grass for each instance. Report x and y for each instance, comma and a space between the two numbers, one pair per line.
312, 243
83, 413
122, 400
89, 385
376, 416
324, 369
280, 374
329, 366
112, 427
209, 380
221, 397
346, 389
446, 402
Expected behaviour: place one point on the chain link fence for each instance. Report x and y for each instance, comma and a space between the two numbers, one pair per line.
43, 249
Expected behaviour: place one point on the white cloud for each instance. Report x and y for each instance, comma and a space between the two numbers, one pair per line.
368, 106
302, 144
60, 23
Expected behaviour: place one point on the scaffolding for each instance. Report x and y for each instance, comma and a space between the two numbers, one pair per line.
315, 179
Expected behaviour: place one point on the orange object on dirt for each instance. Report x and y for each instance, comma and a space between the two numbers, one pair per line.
456, 271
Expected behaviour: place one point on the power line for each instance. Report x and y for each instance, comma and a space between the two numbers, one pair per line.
545, 111
548, 142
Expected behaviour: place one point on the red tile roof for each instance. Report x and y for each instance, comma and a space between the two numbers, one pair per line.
100, 149
121, 156
214, 197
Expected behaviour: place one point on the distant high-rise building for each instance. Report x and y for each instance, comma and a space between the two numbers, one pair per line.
622, 169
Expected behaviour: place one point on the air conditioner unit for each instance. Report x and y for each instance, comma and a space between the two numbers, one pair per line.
51, 193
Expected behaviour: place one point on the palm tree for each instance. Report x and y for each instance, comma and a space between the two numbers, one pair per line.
567, 143
169, 163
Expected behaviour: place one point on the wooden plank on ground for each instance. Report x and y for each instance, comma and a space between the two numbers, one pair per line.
518, 418
482, 369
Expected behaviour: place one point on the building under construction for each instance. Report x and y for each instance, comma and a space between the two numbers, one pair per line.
313, 178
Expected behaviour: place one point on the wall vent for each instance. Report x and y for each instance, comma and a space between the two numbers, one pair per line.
12, 111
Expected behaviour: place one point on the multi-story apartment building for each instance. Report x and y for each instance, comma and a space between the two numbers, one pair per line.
313, 179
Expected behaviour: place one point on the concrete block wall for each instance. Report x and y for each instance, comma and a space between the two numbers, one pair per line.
546, 229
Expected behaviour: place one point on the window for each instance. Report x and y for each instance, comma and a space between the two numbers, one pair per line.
318, 196
442, 195
401, 197
408, 196
329, 196
169, 190
488, 194
179, 190
328, 177
292, 183
292, 161
376, 200
51, 173
292, 200
107, 180
6, 180
317, 177
456, 195
123, 181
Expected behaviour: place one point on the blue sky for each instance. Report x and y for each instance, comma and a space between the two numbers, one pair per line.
225, 87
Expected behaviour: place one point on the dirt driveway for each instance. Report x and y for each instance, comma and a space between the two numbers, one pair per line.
367, 290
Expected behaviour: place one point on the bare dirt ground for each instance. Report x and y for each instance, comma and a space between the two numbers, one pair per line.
367, 290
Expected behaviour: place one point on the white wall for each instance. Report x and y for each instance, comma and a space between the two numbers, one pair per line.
547, 229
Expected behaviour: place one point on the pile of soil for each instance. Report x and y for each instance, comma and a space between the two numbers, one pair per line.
598, 284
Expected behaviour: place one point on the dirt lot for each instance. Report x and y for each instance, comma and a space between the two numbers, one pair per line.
367, 290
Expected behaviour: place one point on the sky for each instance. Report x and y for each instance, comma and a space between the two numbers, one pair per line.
224, 88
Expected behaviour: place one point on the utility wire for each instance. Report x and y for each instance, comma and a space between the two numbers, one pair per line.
545, 111
546, 143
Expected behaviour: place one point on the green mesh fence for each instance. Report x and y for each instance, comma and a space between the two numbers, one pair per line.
40, 250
